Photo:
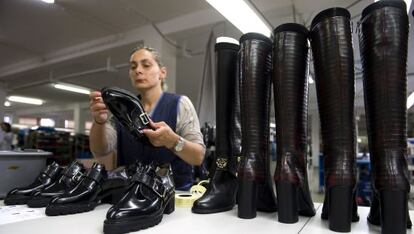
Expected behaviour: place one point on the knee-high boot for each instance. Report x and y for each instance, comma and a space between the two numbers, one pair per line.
221, 193
255, 190
383, 42
290, 86
331, 42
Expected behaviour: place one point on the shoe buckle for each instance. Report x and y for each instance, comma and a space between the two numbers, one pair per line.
156, 186
144, 118
77, 176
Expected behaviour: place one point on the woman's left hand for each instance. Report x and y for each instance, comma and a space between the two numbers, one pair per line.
163, 135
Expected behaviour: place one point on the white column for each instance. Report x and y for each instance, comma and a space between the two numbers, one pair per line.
315, 137
169, 58
79, 119
2, 107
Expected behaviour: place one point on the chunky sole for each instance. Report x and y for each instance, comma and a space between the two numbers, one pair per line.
70, 208
16, 200
137, 223
37, 202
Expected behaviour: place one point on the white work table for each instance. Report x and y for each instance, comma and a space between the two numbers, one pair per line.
182, 221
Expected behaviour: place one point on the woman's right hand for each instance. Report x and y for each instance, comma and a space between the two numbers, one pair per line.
98, 108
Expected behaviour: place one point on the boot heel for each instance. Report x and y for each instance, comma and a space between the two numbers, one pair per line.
340, 208
287, 200
247, 199
393, 208
170, 206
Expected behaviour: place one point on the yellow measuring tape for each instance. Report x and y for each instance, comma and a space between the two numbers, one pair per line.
187, 199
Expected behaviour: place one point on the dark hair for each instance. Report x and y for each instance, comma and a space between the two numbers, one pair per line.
7, 126
154, 52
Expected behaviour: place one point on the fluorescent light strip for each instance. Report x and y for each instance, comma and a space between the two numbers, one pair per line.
407, 2
242, 16
410, 100
73, 88
49, 1
7, 103
33, 101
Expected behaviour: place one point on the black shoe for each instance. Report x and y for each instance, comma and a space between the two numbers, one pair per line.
46, 177
128, 110
93, 188
149, 196
69, 178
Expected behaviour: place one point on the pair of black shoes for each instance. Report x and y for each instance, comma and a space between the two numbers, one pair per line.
46, 178
70, 190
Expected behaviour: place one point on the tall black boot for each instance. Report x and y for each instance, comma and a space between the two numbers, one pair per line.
331, 42
383, 42
290, 58
255, 190
221, 193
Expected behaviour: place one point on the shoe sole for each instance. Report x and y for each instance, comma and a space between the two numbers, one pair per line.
71, 208
136, 223
16, 200
38, 202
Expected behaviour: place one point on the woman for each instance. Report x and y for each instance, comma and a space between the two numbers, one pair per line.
6, 136
177, 128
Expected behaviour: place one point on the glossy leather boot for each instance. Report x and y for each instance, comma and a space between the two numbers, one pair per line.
255, 191
221, 192
331, 41
128, 110
149, 196
383, 39
46, 177
69, 178
290, 58
93, 188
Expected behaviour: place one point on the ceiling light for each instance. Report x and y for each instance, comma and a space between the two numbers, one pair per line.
6, 103
410, 100
49, 1
407, 2
73, 88
242, 15
33, 101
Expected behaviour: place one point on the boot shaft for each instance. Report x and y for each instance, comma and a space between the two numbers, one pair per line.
331, 42
290, 58
383, 38
228, 126
255, 77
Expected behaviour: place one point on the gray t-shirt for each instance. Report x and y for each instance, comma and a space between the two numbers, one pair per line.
187, 126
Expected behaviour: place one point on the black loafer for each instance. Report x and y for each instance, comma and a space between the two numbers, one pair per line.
69, 178
149, 196
23, 194
128, 110
93, 188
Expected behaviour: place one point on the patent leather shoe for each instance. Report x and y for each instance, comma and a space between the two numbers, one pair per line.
69, 178
94, 188
128, 110
149, 196
22, 194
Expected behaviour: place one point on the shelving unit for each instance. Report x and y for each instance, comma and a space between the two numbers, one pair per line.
58, 143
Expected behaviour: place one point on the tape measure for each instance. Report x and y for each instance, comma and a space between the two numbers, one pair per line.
187, 199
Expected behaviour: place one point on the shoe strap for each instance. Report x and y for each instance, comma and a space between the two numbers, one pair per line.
152, 182
95, 175
51, 171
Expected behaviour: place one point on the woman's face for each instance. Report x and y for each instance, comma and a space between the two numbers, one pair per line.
144, 72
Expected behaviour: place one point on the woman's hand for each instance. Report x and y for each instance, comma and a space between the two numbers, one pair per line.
163, 135
98, 108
